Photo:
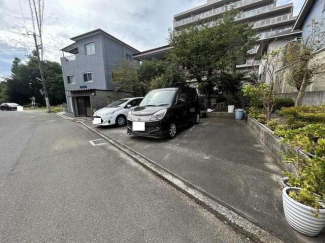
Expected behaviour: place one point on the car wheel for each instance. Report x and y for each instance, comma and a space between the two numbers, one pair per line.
121, 120
172, 130
197, 118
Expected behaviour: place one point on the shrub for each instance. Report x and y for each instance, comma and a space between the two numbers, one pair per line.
253, 93
273, 123
310, 166
262, 118
254, 112
311, 181
283, 102
297, 117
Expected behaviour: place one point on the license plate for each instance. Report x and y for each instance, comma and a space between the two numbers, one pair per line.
139, 126
97, 120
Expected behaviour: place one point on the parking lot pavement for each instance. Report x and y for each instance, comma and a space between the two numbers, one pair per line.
62, 183
223, 158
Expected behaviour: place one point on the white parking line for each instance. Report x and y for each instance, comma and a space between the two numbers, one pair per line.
192, 128
92, 142
51, 121
61, 114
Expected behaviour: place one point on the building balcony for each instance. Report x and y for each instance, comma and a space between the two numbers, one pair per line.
254, 50
240, 5
249, 64
218, 7
266, 35
275, 21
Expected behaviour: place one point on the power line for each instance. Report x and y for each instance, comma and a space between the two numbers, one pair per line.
22, 13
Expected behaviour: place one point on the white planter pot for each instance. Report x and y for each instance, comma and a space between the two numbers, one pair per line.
231, 108
300, 216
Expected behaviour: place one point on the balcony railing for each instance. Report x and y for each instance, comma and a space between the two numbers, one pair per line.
255, 12
217, 11
249, 63
273, 21
273, 33
70, 58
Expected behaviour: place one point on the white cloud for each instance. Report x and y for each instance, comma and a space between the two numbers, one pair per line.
142, 24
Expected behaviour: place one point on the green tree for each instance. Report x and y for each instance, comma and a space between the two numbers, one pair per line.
206, 53
302, 63
3, 92
23, 83
127, 78
140, 79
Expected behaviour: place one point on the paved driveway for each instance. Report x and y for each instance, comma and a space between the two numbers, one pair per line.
55, 186
223, 158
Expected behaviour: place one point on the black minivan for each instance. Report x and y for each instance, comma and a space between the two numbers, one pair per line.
163, 111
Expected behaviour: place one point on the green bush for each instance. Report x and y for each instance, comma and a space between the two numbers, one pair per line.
310, 167
262, 118
283, 102
254, 112
297, 117
312, 184
252, 92
273, 124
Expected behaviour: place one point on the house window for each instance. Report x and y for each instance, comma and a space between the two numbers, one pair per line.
128, 57
90, 49
70, 79
88, 77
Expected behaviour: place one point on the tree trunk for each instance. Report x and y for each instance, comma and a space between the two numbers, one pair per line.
301, 92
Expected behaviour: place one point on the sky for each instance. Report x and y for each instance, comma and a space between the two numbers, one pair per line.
142, 24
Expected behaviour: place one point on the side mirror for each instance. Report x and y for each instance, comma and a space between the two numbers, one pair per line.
128, 106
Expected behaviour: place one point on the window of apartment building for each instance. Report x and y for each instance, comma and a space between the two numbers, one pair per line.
128, 57
90, 48
88, 77
70, 79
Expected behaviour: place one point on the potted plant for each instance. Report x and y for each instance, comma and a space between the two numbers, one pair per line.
304, 202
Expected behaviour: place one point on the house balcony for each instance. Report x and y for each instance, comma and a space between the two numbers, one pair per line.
70, 58
193, 17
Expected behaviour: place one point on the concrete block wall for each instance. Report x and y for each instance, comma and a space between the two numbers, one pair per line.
310, 98
271, 143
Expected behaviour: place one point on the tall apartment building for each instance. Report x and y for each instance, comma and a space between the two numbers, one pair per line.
267, 19
87, 70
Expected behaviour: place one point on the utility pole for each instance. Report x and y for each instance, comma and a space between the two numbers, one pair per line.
39, 19
47, 101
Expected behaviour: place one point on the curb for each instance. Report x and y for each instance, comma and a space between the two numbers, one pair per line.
218, 209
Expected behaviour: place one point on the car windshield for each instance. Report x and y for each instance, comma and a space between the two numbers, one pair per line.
159, 98
117, 103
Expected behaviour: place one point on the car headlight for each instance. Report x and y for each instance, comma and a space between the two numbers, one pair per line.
130, 116
159, 115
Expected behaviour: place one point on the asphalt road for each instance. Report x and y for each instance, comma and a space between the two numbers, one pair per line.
55, 186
